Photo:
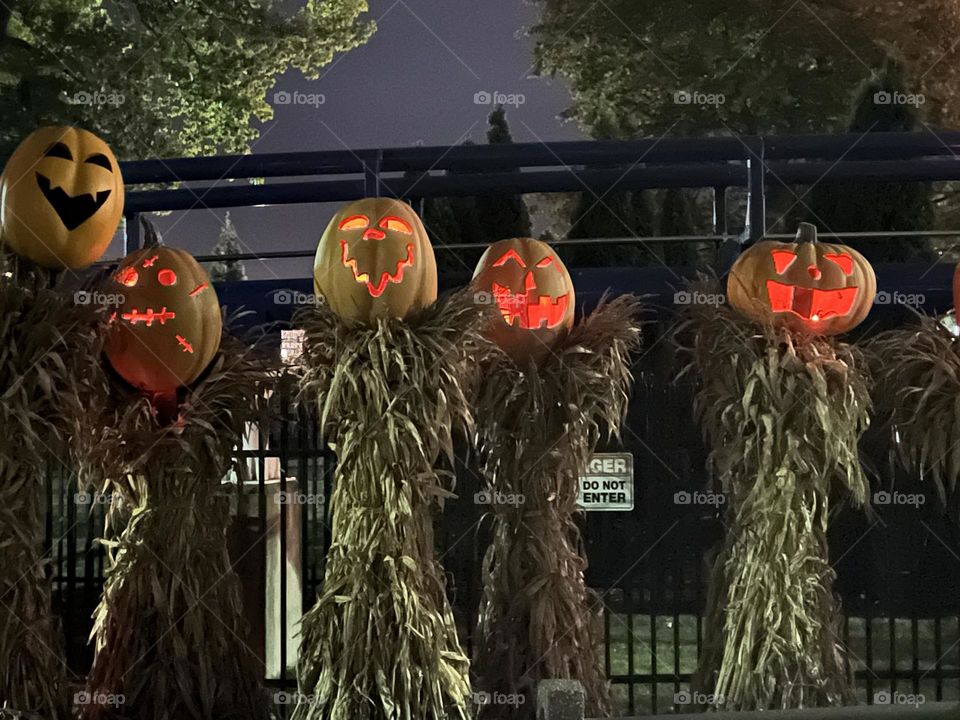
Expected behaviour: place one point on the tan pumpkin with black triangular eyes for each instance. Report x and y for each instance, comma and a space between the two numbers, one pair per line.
168, 327
806, 285
61, 198
533, 292
375, 260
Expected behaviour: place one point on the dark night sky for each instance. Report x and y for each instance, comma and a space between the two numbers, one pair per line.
414, 81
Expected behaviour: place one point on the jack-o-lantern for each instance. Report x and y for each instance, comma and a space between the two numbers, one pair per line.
375, 261
806, 285
167, 329
534, 296
61, 197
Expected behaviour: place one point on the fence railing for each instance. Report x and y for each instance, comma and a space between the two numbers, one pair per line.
754, 163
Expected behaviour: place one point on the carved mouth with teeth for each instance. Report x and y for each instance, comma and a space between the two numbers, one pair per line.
73, 210
810, 303
362, 276
529, 310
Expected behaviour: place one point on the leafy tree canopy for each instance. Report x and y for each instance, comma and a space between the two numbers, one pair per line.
160, 79
634, 66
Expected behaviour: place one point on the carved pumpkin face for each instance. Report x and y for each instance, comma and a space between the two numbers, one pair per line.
805, 285
375, 261
534, 295
61, 196
168, 328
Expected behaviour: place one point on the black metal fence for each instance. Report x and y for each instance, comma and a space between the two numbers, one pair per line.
898, 569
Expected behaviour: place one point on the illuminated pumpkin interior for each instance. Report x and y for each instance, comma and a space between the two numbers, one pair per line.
528, 309
148, 317
813, 304
387, 224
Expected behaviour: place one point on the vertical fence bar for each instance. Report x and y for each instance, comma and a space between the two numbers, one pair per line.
757, 201
132, 237
371, 173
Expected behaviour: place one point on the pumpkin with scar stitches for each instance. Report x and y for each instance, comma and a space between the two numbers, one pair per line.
806, 285
533, 292
375, 261
167, 328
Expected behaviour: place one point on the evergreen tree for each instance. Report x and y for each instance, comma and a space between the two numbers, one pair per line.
501, 216
614, 216
229, 269
678, 217
882, 106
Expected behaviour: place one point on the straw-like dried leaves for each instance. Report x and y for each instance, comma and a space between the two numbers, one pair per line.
170, 637
381, 640
48, 372
918, 392
783, 415
536, 430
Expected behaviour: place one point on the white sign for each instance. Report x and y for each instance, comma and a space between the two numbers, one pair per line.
607, 483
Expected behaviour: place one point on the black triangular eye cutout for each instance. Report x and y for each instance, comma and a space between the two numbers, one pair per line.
101, 160
59, 150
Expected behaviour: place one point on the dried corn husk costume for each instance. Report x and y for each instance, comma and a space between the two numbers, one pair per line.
537, 427
381, 642
917, 371
48, 370
783, 413
170, 637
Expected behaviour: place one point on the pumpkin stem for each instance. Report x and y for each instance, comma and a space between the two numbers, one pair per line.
151, 236
806, 232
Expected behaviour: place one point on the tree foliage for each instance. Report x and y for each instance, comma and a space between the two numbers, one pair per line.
779, 68
160, 79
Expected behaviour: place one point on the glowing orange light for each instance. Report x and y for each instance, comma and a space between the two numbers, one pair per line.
844, 261
385, 277
150, 261
546, 262
135, 316
782, 259
187, 347
810, 303
510, 254
198, 289
354, 222
128, 276
391, 222
167, 277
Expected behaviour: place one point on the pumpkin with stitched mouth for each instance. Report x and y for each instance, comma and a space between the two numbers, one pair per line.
374, 261
168, 326
61, 198
534, 295
812, 287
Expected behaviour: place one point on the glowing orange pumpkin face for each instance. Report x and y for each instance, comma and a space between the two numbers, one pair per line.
375, 260
168, 327
62, 197
534, 295
810, 286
